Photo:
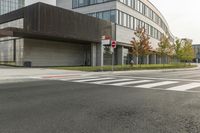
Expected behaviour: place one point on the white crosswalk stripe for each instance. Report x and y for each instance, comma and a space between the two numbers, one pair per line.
77, 78
93, 79
130, 82
111, 81
172, 85
185, 87
152, 85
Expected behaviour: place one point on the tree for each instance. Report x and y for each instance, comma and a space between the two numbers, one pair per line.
186, 51
140, 44
177, 49
164, 47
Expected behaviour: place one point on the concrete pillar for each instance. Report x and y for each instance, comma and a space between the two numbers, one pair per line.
158, 59
153, 59
99, 55
136, 60
14, 50
164, 59
93, 54
146, 59
120, 55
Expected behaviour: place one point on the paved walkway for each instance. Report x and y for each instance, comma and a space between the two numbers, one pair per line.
15, 72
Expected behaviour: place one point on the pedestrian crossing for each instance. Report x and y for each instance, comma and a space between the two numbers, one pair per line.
135, 82
151, 85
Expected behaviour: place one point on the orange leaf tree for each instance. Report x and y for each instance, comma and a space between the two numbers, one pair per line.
140, 44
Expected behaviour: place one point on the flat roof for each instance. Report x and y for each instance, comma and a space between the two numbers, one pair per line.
43, 21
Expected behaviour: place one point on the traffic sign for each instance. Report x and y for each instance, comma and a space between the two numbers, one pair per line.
105, 42
113, 43
105, 37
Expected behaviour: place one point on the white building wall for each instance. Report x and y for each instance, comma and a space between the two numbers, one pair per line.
123, 34
97, 7
150, 5
50, 53
138, 15
19, 52
67, 4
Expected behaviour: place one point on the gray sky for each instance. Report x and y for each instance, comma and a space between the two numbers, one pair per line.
182, 16
29, 2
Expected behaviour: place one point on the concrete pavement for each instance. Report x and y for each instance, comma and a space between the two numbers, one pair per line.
56, 101
66, 107
15, 74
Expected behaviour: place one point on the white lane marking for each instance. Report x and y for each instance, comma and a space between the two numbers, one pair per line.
77, 78
110, 81
151, 78
185, 87
94, 79
151, 85
131, 82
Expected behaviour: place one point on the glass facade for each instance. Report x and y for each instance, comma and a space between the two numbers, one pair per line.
128, 21
125, 19
7, 44
10, 5
82, 3
197, 51
19, 23
146, 11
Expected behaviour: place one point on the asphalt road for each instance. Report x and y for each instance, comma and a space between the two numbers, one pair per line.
168, 74
55, 106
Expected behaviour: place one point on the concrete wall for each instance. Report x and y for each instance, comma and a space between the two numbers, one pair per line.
67, 4
19, 52
49, 53
124, 35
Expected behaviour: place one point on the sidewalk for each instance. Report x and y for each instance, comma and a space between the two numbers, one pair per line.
17, 73
31, 72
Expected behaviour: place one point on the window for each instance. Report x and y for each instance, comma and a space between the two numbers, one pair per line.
75, 3
132, 23
106, 15
126, 20
113, 16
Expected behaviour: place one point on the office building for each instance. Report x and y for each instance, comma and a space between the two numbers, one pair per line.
10, 5
128, 15
196, 48
50, 36
56, 36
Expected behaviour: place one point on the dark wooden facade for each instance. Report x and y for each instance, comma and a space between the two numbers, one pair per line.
42, 21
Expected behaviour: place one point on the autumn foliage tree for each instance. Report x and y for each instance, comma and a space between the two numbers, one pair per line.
140, 44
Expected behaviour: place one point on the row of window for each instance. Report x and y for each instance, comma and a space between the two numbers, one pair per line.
128, 21
146, 11
134, 4
81, 3
10, 5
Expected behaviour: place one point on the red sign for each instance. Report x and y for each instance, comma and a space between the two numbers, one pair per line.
113, 44
106, 37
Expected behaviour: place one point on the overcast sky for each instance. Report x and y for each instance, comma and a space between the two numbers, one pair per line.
183, 17
29, 2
